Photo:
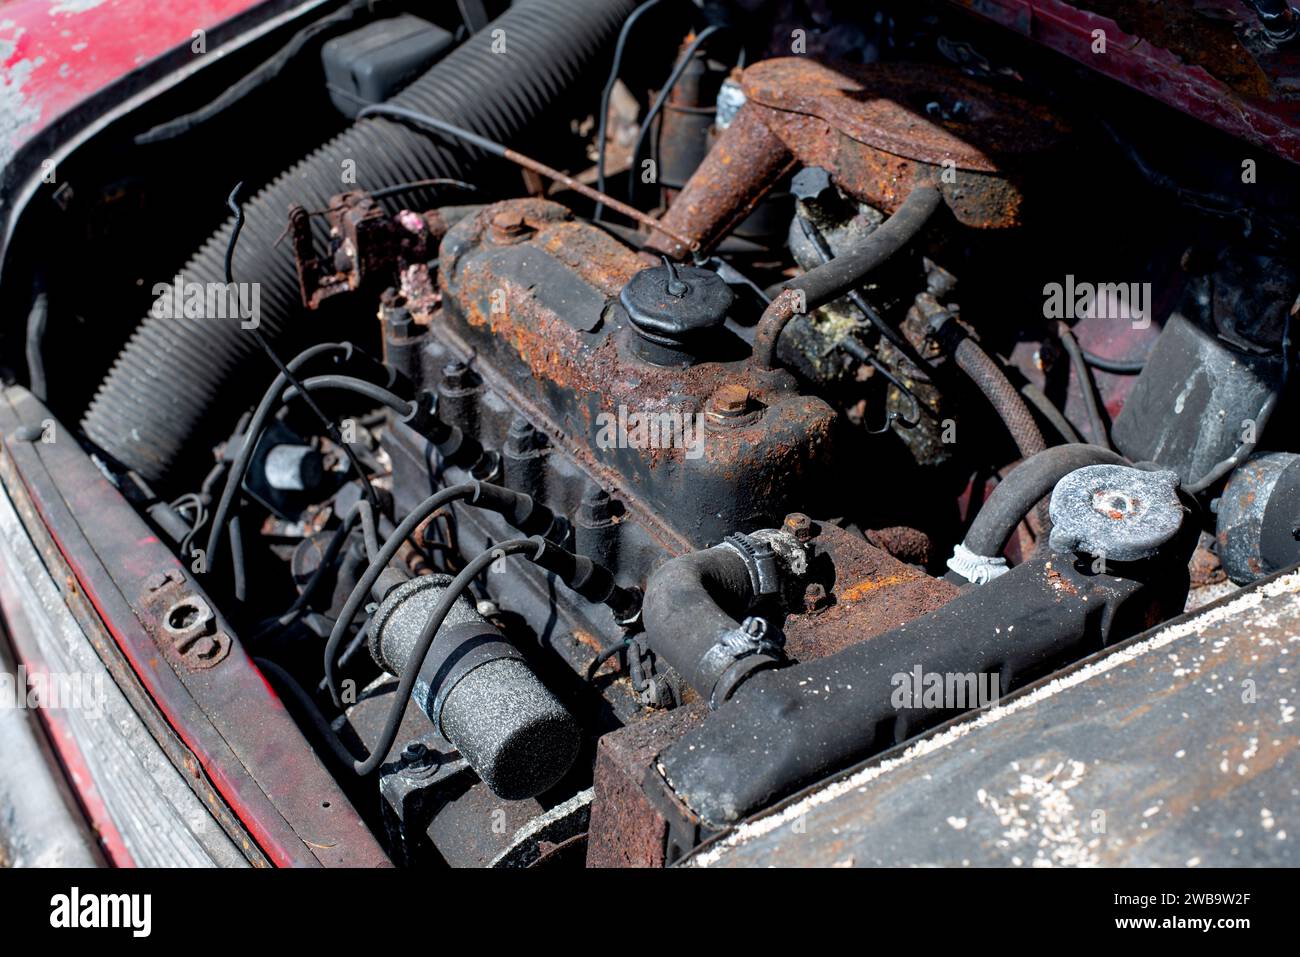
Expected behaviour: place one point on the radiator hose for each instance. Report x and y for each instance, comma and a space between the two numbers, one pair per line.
156, 401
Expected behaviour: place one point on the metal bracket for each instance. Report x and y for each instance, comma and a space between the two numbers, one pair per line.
183, 623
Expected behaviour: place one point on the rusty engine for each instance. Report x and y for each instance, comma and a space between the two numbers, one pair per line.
614, 496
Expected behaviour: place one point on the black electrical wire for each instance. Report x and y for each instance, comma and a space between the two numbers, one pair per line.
837, 276
615, 649
1114, 366
330, 428
660, 99
406, 683
257, 77
602, 122
347, 383
304, 701
1048, 410
378, 563
355, 645
362, 513
1087, 387
252, 433
892, 335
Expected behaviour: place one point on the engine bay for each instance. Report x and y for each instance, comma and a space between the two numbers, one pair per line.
633, 415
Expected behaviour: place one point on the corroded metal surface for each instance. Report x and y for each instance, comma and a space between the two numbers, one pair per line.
540, 316
920, 112
882, 130
1176, 748
627, 830
744, 163
871, 593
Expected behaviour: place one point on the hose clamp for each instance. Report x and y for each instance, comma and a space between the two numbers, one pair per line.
738, 653
760, 562
975, 568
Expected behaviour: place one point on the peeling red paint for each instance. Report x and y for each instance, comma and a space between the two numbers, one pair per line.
56, 53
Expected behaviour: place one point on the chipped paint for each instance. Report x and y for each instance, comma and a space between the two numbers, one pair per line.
54, 54
73, 6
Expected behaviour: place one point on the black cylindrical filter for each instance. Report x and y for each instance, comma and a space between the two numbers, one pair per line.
478, 690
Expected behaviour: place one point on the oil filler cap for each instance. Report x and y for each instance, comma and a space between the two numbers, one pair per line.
677, 312
1115, 512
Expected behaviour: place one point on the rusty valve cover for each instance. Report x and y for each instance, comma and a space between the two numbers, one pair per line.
699, 450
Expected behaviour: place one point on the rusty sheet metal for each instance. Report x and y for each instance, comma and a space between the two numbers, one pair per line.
1208, 60
1176, 748
627, 829
233, 730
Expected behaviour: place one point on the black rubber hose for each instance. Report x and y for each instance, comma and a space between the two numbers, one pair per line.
1026, 485
1087, 387
788, 727
692, 601
1114, 366
157, 400
833, 279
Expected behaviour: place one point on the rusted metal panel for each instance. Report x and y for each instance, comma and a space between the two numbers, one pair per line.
1176, 748
627, 830
872, 592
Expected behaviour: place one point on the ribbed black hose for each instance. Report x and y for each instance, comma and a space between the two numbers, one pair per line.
155, 402
1002, 395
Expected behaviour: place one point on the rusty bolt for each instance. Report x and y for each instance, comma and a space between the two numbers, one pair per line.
508, 225
731, 398
414, 751
815, 598
799, 525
